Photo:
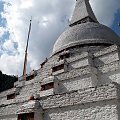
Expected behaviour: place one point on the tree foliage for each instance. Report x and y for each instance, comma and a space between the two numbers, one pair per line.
6, 81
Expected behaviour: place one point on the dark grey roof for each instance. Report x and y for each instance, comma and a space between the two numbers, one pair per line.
85, 33
84, 29
82, 10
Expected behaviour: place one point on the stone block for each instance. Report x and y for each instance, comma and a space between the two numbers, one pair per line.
81, 63
110, 77
114, 66
106, 59
78, 83
29, 107
106, 50
48, 80
47, 92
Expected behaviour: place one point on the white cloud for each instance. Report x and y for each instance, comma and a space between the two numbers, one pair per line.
26, 4
105, 10
8, 45
50, 19
13, 63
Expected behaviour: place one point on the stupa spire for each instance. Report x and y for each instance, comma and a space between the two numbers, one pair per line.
82, 13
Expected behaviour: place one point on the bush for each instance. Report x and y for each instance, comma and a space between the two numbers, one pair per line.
6, 81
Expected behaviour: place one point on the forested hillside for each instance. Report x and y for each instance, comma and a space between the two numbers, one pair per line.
6, 81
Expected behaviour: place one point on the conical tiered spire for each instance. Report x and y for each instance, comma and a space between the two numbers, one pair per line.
82, 13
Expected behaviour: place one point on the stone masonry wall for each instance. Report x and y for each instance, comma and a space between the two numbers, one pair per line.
82, 96
88, 104
80, 93
93, 111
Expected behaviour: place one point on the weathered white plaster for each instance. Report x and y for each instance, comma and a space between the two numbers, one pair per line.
84, 90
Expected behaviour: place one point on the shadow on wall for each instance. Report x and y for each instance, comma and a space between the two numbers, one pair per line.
107, 74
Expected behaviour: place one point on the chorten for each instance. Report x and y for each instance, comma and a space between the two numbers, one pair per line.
79, 81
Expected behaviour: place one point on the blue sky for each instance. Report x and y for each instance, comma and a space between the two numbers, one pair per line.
50, 19
115, 26
1, 6
1, 9
3, 24
2, 21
